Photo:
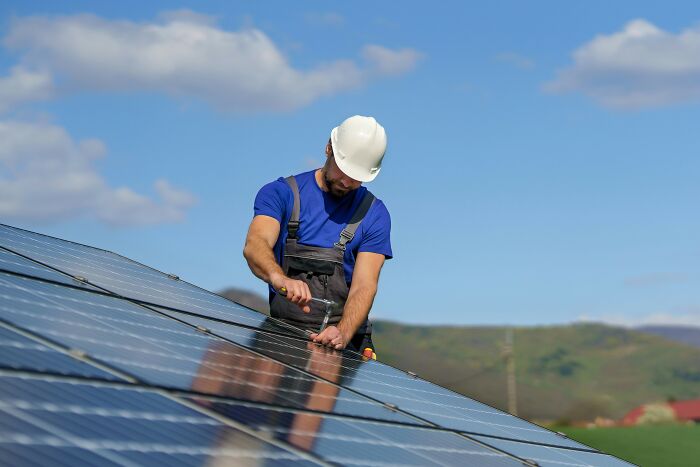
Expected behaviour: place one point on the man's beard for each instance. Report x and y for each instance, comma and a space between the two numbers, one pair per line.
333, 188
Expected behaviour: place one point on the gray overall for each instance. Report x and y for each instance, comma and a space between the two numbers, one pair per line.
321, 268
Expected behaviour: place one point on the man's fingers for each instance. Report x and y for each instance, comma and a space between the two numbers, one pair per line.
306, 292
305, 297
338, 343
329, 337
298, 292
292, 293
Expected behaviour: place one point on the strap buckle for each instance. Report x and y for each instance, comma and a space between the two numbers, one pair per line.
345, 237
292, 227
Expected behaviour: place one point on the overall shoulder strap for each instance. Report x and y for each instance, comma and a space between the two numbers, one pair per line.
348, 232
293, 224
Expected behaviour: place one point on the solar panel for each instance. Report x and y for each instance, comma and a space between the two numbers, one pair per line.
17, 264
87, 423
547, 456
18, 352
164, 352
347, 440
107, 361
389, 385
123, 276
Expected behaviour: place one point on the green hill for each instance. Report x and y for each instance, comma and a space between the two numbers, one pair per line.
574, 372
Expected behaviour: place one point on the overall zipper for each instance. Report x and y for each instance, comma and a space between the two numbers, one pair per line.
324, 279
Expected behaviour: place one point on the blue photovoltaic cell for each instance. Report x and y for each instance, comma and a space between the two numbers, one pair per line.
123, 276
387, 384
347, 441
15, 263
160, 351
92, 424
21, 353
555, 457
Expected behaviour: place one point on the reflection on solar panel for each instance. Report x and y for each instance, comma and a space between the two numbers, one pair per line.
104, 361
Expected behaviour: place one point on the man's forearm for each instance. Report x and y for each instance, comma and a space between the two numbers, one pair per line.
356, 310
261, 260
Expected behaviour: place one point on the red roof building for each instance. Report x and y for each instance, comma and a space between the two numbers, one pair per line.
685, 411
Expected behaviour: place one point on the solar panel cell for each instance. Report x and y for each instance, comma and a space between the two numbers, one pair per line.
15, 263
21, 353
93, 424
554, 457
345, 441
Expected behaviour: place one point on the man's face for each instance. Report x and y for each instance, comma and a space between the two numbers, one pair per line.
337, 182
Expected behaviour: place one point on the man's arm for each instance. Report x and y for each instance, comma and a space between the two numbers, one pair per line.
363, 289
261, 239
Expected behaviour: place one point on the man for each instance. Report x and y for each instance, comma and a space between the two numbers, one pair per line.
321, 234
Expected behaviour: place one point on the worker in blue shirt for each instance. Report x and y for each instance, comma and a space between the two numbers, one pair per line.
322, 234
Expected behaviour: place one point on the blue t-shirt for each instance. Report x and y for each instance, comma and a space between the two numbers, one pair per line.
323, 216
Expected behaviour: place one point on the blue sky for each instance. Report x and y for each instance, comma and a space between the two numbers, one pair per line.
542, 164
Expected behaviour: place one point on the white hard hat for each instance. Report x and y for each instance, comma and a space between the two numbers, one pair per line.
358, 145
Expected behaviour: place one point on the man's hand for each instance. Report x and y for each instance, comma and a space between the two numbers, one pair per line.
330, 337
297, 291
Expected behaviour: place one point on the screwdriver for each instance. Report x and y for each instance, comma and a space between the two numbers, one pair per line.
329, 304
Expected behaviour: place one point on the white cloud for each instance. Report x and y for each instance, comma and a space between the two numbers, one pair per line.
391, 62
23, 85
46, 176
187, 54
640, 66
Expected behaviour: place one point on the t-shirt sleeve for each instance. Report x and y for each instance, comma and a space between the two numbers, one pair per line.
376, 237
273, 200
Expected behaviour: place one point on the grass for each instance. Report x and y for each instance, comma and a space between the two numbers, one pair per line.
648, 446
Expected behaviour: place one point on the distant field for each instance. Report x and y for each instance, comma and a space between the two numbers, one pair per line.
648, 446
